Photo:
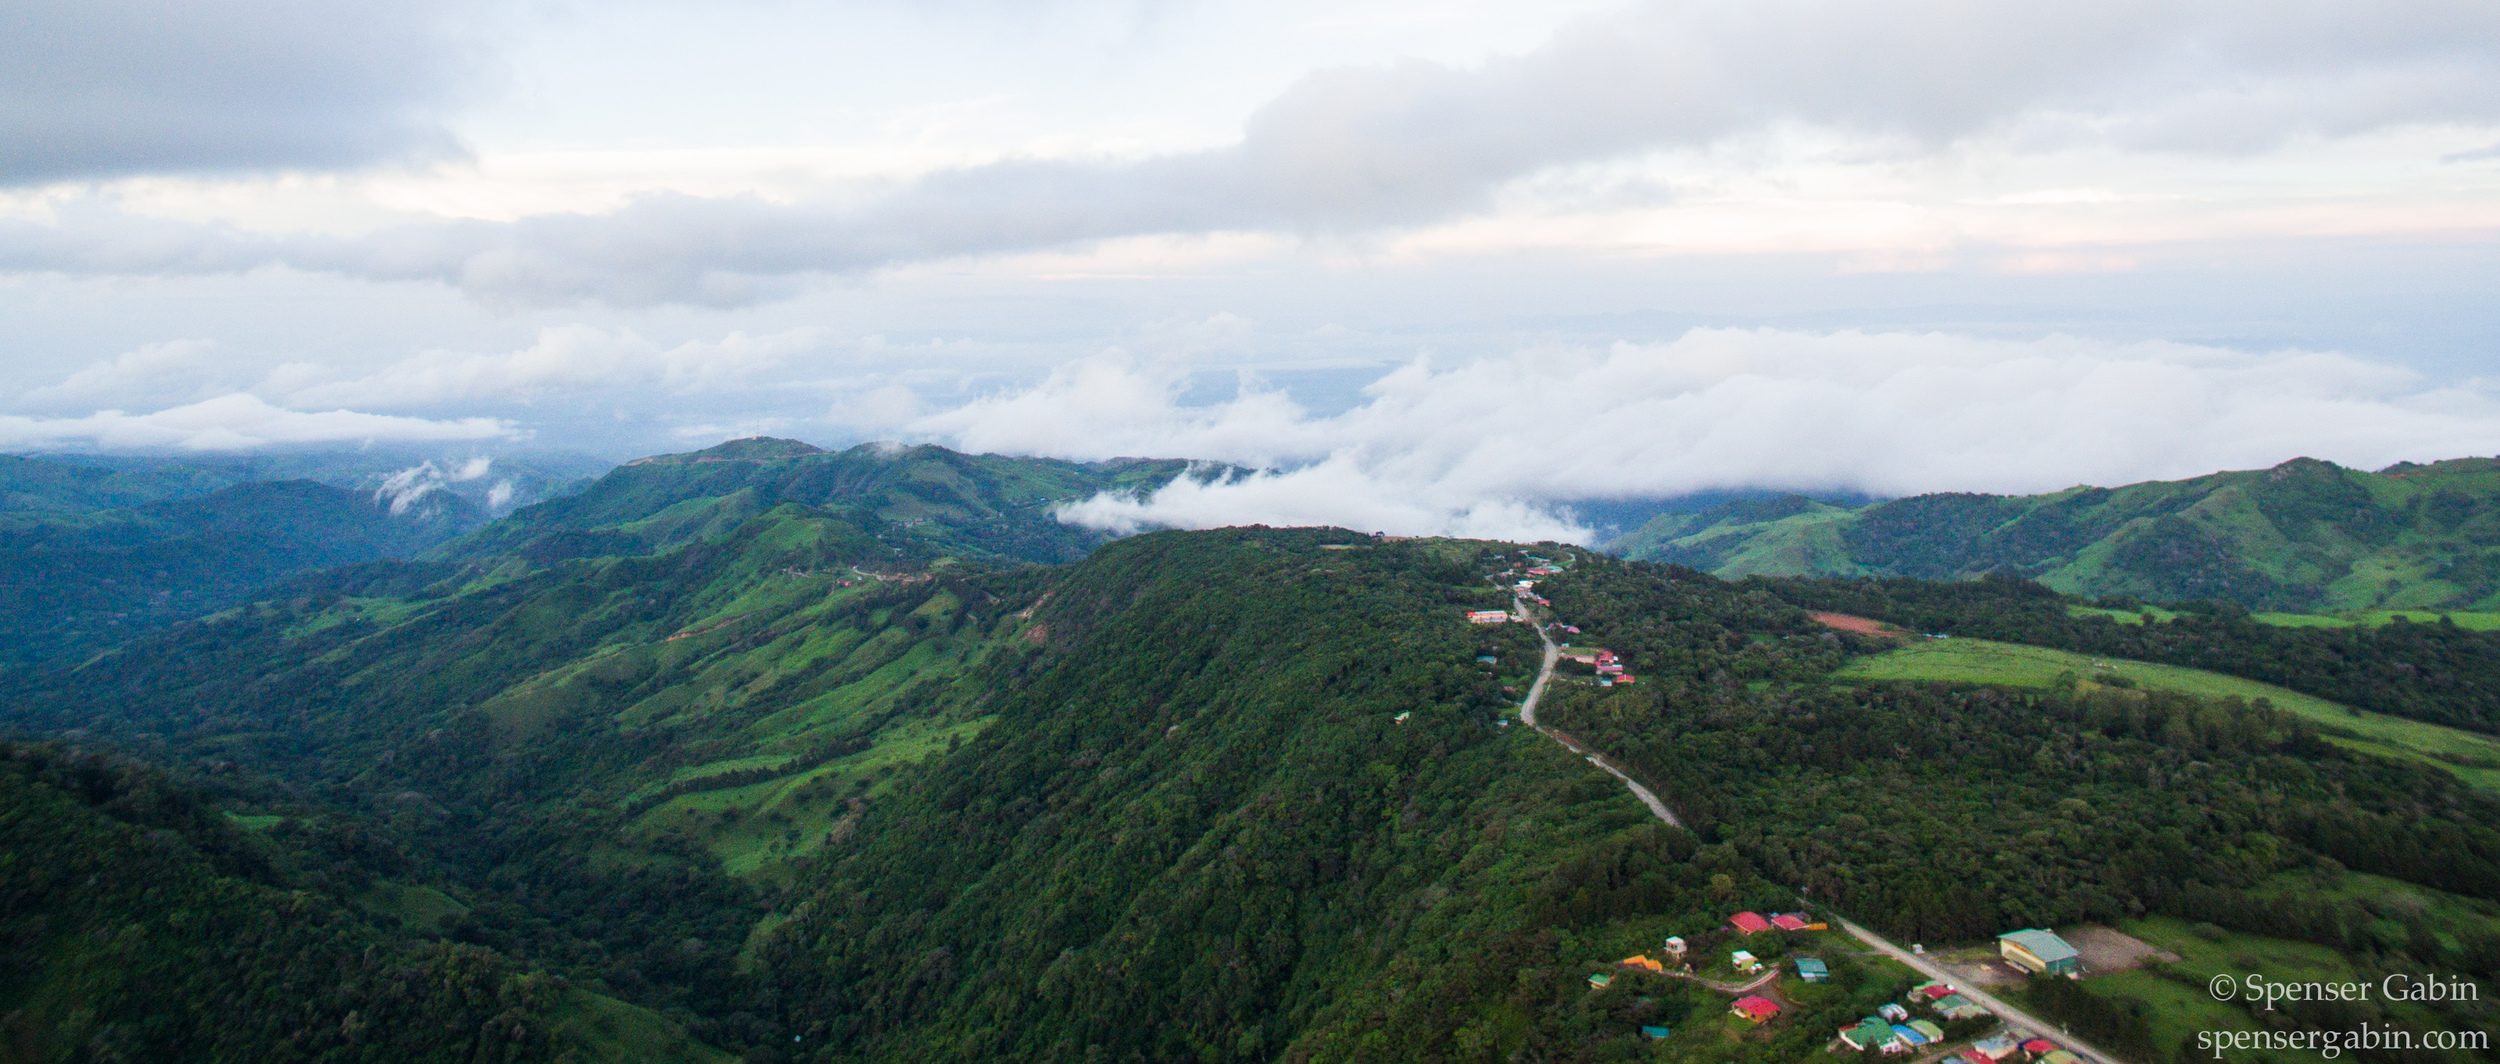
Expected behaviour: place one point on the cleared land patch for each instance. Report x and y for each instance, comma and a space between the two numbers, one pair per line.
1860, 625
2473, 758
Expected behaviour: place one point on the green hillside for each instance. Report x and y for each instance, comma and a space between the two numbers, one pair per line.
138, 922
2303, 536
983, 506
838, 781
72, 583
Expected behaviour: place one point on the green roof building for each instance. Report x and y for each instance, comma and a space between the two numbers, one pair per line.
2040, 951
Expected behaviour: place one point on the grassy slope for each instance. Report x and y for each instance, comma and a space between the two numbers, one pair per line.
1982, 661
2304, 535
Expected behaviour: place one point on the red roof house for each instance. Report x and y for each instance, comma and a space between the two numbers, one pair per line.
1749, 923
1756, 1008
2039, 1047
1789, 922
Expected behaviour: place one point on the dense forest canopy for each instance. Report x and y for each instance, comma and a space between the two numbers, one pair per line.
825, 772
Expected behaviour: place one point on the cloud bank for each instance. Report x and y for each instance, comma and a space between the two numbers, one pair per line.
236, 422
108, 88
1502, 446
1360, 149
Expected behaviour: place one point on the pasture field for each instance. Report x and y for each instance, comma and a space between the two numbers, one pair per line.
2473, 758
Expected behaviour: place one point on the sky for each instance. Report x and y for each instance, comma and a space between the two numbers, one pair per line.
1430, 267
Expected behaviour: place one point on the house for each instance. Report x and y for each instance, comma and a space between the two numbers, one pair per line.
1969, 1056
1789, 921
1401, 718
1487, 658
1755, 1007
1871, 1033
1641, 960
2040, 951
1600, 980
1893, 1013
1744, 962
1675, 947
2061, 1057
1749, 923
1655, 1032
1605, 681
1812, 969
1910, 1035
1625, 679
2039, 1047
1929, 991
1487, 616
1997, 1048
1957, 1007
1928, 1030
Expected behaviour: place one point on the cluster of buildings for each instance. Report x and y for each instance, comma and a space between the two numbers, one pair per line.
1894, 1030
1752, 923
1609, 668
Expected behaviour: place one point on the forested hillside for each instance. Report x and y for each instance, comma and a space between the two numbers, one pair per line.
2304, 535
72, 583
688, 780
843, 781
95, 550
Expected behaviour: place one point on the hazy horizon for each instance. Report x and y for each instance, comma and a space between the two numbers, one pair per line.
1451, 267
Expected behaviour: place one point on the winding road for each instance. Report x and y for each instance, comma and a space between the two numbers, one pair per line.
2014, 1017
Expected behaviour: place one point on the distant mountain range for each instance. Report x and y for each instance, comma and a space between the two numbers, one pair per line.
2305, 535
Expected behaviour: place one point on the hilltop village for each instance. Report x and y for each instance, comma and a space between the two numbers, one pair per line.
1763, 962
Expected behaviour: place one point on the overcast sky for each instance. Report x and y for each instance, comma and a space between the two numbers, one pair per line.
1450, 265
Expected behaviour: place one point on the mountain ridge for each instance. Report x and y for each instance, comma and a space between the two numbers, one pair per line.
2302, 535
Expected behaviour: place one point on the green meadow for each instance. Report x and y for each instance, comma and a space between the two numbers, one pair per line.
2473, 758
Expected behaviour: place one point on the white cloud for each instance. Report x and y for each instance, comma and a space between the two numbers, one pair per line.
564, 357
1360, 149
236, 422
1494, 447
408, 487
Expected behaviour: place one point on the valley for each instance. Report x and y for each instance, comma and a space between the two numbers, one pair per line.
778, 754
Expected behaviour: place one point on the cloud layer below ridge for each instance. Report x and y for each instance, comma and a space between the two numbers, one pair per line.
1502, 446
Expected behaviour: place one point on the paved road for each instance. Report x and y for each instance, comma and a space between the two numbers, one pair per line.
1527, 715
1917, 963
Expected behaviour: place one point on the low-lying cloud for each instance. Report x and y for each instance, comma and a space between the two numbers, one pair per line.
1504, 446
236, 422
1361, 149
